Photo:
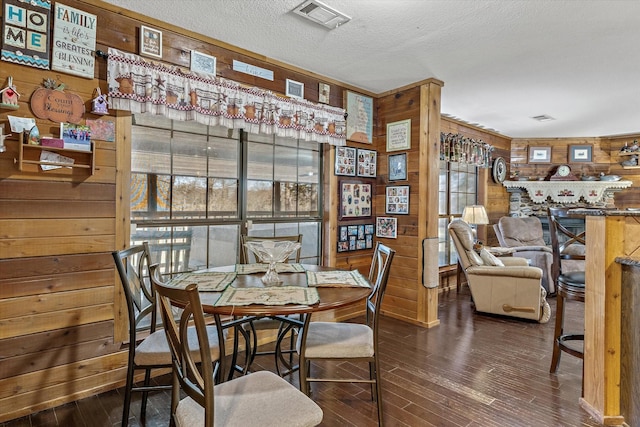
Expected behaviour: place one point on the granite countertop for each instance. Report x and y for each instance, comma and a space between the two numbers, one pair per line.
632, 262
606, 212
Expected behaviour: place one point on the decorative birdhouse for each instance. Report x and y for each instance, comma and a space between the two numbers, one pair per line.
9, 96
99, 103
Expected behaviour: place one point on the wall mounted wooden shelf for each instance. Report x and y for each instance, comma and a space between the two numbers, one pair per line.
31, 155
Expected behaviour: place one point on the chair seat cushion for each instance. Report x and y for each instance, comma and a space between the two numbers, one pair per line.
154, 350
337, 340
261, 398
574, 279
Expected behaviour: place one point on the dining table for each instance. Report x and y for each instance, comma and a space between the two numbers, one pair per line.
238, 292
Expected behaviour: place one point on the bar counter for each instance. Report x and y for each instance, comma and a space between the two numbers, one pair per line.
613, 240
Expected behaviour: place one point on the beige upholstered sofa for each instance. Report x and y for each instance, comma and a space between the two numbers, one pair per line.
526, 237
506, 286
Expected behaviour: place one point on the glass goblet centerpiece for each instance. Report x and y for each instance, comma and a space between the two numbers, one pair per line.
272, 252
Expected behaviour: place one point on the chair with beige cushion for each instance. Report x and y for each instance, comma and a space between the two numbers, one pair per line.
525, 236
257, 399
277, 325
354, 342
152, 351
506, 286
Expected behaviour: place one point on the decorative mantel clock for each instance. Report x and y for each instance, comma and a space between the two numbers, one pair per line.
563, 173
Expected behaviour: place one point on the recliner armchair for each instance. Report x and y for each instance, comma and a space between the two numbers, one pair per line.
511, 289
526, 237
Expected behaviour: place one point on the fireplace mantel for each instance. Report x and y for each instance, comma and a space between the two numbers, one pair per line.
568, 191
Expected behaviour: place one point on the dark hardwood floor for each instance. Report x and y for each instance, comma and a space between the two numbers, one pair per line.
473, 370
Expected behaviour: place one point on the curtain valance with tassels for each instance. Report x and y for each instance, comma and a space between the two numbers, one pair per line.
144, 86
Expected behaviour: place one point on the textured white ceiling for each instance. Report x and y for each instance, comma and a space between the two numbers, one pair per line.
502, 61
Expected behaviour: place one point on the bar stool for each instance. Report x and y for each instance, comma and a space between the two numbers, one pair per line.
569, 247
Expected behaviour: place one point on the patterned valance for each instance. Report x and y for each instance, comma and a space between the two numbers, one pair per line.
144, 86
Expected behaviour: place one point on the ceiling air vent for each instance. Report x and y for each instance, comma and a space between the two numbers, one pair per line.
322, 14
543, 118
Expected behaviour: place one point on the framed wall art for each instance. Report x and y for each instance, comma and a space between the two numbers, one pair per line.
345, 161
539, 154
398, 167
355, 199
397, 200
399, 135
24, 23
359, 118
74, 41
580, 153
203, 63
367, 160
355, 237
295, 89
324, 90
387, 227
150, 42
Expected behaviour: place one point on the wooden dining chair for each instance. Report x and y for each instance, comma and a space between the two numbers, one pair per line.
272, 324
260, 398
135, 271
354, 342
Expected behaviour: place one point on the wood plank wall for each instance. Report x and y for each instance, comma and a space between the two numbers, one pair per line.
605, 160
401, 299
57, 280
58, 288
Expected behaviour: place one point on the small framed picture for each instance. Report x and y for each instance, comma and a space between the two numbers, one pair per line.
367, 160
345, 161
539, 154
397, 200
387, 227
355, 202
203, 63
295, 89
580, 153
359, 117
399, 135
150, 42
324, 91
398, 167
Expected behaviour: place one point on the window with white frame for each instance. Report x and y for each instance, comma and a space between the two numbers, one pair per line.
458, 187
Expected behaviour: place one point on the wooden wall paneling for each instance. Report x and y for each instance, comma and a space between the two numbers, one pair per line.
53, 190
429, 144
73, 352
35, 382
15, 228
34, 344
122, 219
21, 405
31, 305
40, 285
50, 321
51, 266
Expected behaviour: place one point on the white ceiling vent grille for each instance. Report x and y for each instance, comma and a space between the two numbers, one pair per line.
322, 14
543, 118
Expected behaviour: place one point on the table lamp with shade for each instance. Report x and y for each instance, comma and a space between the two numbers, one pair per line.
475, 215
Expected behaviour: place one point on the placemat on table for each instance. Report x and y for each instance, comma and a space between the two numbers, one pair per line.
281, 267
276, 295
337, 278
207, 281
